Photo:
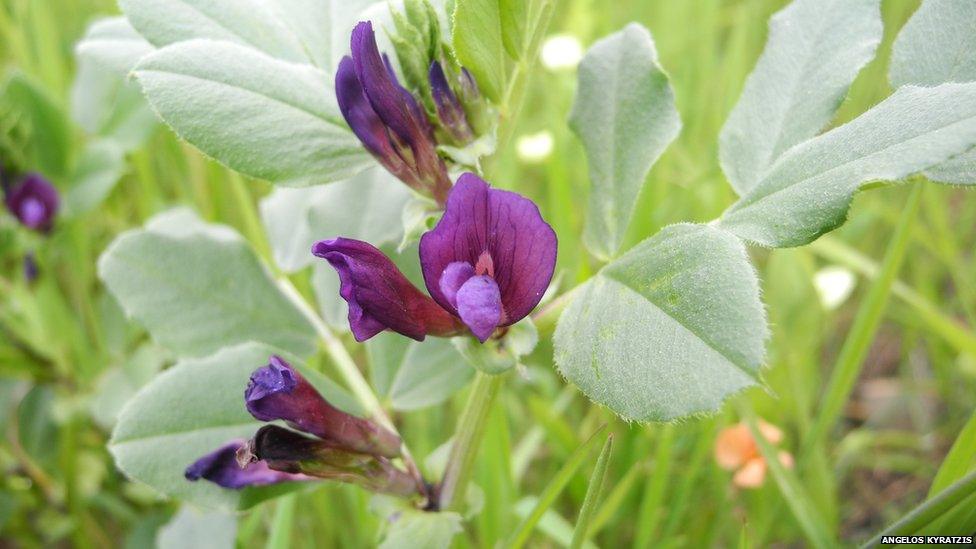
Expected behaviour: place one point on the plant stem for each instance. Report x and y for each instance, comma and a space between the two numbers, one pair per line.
467, 440
350, 373
924, 514
865, 325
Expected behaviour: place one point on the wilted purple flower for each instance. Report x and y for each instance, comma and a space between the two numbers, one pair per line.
276, 391
486, 263
222, 467
294, 453
33, 201
389, 121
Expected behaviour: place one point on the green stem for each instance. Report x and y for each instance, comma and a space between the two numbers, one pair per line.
859, 339
924, 514
467, 439
350, 373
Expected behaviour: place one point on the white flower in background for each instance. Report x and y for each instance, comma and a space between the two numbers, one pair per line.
535, 148
561, 51
834, 285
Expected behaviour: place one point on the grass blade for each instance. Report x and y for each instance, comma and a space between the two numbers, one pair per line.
593, 492
930, 510
789, 485
552, 491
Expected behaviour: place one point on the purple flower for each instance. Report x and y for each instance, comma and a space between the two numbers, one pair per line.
34, 202
486, 263
387, 119
222, 467
277, 391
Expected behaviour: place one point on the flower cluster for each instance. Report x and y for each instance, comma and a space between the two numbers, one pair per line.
393, 124
323, 442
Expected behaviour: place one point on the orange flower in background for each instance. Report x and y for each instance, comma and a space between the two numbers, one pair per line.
736, 450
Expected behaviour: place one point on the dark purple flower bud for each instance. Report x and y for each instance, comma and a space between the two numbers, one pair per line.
277, 391
449, 108
378, 294
30, 267
486, 263
387, 119
222, 467
294, 453
34, 202
490, 257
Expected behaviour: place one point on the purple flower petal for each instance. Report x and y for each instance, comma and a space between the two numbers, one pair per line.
277, 391
359, 114
453, 277
378, 294
499, 232
382, 91
34, 202
221, 467
480, 306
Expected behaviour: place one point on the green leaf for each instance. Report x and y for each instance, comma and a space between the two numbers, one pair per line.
670, 329
960, 460
193, 529
113, 44
477, 38
325, 26
934, 47
192, 409
814, 51
253, 23
49, 147
118, 384
412, 529
104, 103
199, 287
415, 374
514, 21
98, 169
366, 207
808, 191
625, 116
264, 117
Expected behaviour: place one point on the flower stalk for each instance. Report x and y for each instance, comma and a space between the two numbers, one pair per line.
467, 440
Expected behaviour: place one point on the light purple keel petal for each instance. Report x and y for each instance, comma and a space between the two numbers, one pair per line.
479, 306
221, 467
34, 202
454, 276
277, 391
499, 232
378, 294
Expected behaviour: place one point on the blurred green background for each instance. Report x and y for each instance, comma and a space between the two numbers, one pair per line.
68, 359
